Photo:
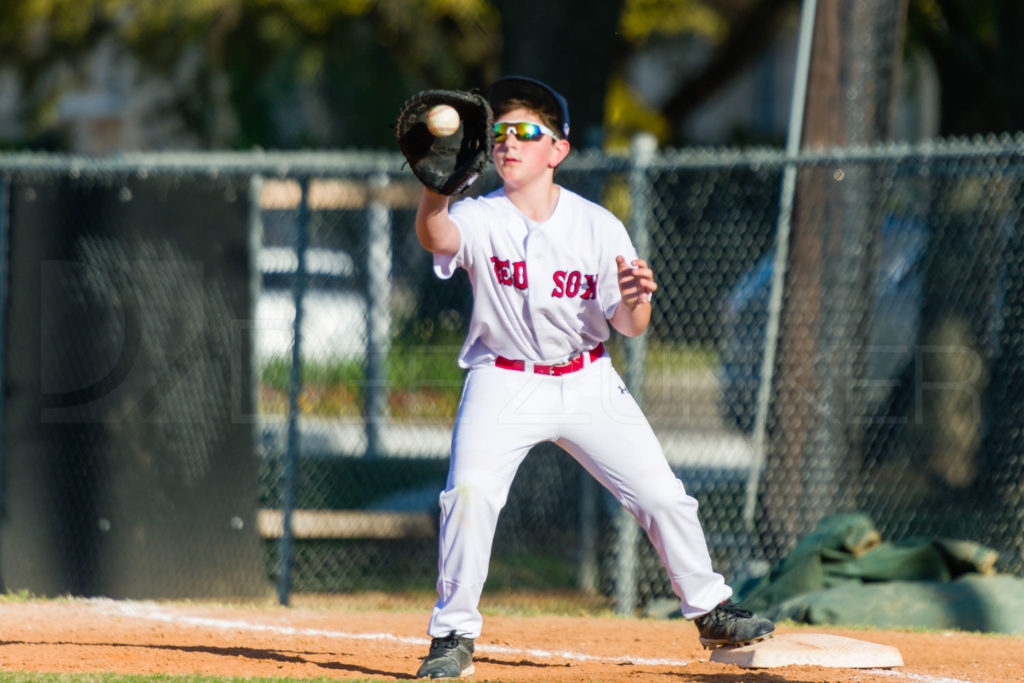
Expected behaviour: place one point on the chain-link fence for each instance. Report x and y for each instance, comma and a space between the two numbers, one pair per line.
894, 387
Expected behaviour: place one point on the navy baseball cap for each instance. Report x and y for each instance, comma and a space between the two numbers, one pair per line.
532, 90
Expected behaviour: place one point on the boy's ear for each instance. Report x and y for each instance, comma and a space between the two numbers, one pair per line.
559, 152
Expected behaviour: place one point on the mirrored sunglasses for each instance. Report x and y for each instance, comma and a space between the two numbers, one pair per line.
524, 131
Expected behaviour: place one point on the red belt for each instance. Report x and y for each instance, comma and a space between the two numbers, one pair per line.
571, 365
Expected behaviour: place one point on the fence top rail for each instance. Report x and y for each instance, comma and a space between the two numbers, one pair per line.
270, 164
937, 150
282, 164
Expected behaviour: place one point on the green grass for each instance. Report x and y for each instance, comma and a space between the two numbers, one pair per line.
408, 366
18, 596
662, 357
424, 380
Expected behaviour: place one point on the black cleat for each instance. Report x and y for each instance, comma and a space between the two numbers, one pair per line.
450, 657
727, 624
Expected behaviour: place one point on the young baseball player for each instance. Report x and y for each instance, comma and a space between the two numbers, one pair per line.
550, 271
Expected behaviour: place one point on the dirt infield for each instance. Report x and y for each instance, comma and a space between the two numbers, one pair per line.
343, 640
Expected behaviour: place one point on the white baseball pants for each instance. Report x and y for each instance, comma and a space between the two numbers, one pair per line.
502, 415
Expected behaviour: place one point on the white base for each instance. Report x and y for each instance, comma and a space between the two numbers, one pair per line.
813, 649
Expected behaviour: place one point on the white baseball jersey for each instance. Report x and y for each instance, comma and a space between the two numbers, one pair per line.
541, 292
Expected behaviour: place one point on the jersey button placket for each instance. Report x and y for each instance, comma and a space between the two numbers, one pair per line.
536, 287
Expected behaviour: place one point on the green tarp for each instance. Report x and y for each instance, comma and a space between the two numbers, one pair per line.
843, 573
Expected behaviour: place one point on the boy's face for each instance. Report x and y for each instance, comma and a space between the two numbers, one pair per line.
521, 162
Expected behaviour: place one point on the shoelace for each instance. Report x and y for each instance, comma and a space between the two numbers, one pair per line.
726, 609
731, 608
449, 642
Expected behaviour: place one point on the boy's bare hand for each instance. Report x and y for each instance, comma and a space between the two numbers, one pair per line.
636, 281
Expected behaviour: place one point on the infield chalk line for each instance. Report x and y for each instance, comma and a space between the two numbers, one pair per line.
149, 611
916, 677
152, 612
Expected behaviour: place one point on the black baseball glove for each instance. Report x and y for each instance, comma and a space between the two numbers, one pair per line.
450, 164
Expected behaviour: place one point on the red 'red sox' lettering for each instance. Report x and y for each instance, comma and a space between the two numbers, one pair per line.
570, 285
509, 273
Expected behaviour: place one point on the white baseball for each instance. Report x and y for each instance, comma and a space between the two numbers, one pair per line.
442, 120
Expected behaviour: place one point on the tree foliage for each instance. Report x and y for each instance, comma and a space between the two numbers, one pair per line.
238, 73
332, 73
973, 44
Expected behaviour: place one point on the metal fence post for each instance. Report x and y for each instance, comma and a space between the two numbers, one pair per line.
644, 147
627, 530
378, 299
591, 494
5, 208
294, 389
794, 137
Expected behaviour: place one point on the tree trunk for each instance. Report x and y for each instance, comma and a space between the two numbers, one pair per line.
814, 436
566, 45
